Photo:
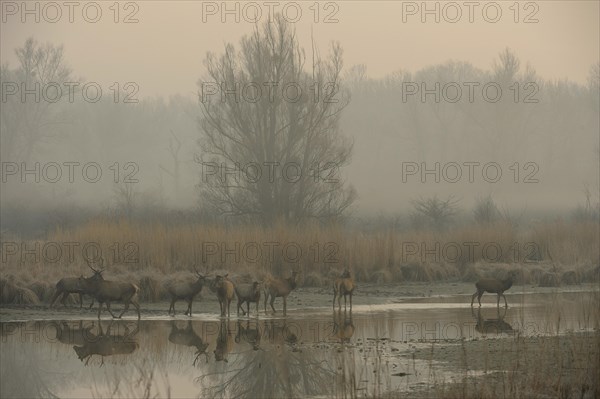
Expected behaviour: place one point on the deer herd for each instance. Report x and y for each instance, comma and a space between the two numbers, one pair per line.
106, 291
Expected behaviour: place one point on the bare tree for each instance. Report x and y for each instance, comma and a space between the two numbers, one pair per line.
435, 212
32, 93
283, 121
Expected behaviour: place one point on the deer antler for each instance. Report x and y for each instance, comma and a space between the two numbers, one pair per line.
196, 270
90, 265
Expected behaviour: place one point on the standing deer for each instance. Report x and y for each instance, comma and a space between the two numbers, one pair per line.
185, 291
247, 293
188, 337
278, 287
108, 291
67, 286
343, 286
494, 286
225, 291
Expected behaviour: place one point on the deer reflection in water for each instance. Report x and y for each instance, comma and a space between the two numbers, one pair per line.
74, 335
264, 361
343, 327
107, 344
492, 326
248, 335
188, 337
224, 342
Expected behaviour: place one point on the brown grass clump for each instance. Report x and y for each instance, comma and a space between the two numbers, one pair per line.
550, 279
151, 289
567, 249
13, 294
570, 277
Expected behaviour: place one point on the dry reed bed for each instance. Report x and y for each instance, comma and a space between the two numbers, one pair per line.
561, 254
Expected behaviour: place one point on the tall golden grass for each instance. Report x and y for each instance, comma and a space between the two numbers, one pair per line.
147, 253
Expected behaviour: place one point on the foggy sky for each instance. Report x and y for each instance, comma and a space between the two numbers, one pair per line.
164, 51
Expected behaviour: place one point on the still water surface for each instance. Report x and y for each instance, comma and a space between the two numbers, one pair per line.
312, 353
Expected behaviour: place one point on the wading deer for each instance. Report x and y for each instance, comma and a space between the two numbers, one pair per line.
67, 286
225, 291
180, 290
105, 291
188, 337
494, 286
247, 293
107, 345
278, 287
343, 286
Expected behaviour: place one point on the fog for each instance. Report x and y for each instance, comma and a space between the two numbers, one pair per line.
422, 97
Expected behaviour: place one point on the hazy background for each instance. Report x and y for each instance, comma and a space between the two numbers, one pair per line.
163, 54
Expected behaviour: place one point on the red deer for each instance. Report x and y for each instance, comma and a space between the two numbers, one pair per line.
343, 286
108, 291
67, 286
247, 293
187, 291
225, 291
493, 286
278, 287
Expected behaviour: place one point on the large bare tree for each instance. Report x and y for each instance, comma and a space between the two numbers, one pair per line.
275, 121
31, 96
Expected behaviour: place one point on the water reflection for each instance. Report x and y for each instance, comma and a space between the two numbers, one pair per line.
316, 352
188, 337
104, 343
343, 327
496, 325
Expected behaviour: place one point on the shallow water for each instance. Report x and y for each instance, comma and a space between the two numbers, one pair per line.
311, 353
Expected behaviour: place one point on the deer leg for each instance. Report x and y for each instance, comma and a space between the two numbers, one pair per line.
137, 307
64, 298
479, 295
272, 302
100, 309
473, 297
498, 300
54, 298
228, 306
111, 313
285, 305
172, 307
505, 303
92, 304
350, 301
